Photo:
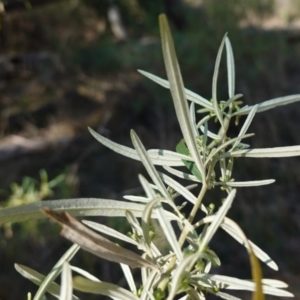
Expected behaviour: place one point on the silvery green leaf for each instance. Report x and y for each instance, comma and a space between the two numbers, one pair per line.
210, 134
232, 283
109, 231
55, 272
158, 153
66, 283
181, 174
136, 198
102, 288
193, 119
129, 278
246, 183
230, 68
75, 207
147, 187
264, 257
37, 278
275, 283
214, 83
269, 104
178, 94
146, 161
227, 296
189, 94
265, 152
84, 273
158, 156
218, 219
246, 125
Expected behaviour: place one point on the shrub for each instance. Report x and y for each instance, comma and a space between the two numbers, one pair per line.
203, 157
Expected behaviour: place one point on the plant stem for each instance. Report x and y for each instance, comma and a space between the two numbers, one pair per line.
199, 201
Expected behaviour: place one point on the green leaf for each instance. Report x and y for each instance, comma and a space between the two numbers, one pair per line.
181, 148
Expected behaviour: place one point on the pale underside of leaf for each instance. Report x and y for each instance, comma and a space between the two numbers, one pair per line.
189, 94
177, 91
230, 68
109, 231
288, 151
75, 207
246, 183
158, 156
66, 283
269, 104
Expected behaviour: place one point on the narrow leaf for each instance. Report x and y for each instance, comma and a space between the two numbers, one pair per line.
129, 278
189, 94
269, 104
75, 207
215, 80
230, 68
84, 273
149, 165
66, 283
109, 231
246, 183
177, 91
217, 221
264, 257
246, 124
288, 151
158, 156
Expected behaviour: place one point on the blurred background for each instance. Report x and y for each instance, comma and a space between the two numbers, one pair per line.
66, 65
